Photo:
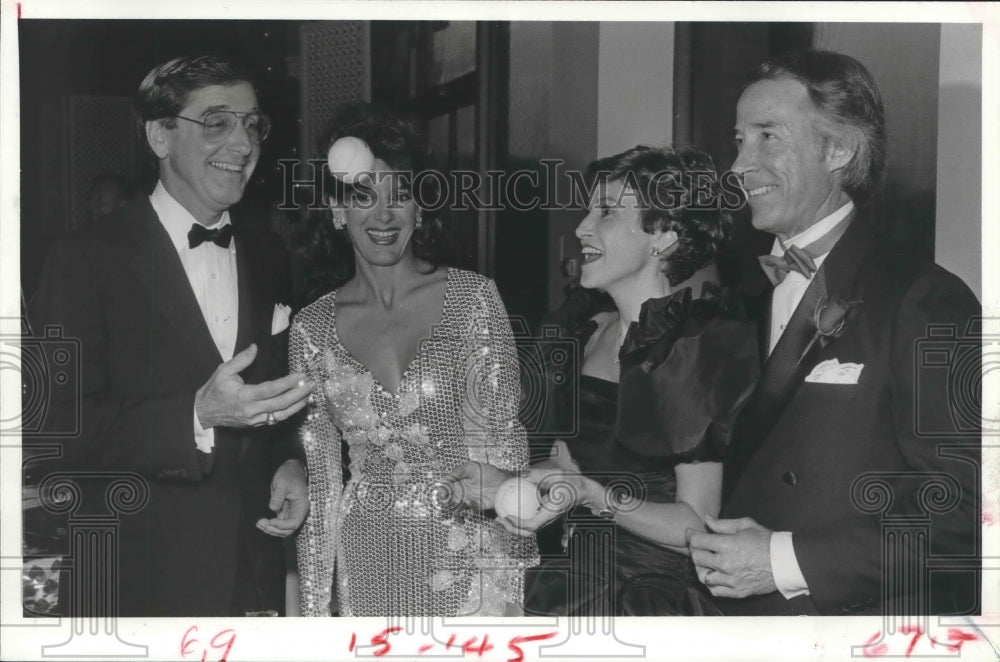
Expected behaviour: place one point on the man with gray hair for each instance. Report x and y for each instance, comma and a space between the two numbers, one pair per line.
177, 304
849, 431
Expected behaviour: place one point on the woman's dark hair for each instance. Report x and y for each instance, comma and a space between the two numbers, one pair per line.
677, 189
327, 255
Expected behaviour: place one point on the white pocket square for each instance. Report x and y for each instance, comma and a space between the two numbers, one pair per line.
279, 320
833, 371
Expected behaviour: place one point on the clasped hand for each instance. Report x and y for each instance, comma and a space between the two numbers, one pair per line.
226, 400
733, 559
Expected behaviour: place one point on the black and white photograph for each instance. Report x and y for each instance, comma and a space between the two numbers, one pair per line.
499, 331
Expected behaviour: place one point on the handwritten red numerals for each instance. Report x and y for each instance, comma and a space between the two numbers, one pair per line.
222, 641
514, 644
956, 637
469, 647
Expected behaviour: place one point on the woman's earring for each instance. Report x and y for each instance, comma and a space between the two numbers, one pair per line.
420, 219
658, 252
339, 222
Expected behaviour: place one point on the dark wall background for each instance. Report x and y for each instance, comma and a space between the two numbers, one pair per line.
547, 109
711, 63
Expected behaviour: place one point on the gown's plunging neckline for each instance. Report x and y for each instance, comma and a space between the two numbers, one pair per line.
358, 364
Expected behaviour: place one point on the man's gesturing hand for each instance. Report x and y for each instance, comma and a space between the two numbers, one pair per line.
225, 400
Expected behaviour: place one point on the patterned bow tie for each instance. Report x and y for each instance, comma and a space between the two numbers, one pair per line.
199, 234
802, 260
794, 259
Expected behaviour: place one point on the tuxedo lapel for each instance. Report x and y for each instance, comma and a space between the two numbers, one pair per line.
244, 280
764, 327
789, 363
844, 263
158, 268
255, 308
786, 368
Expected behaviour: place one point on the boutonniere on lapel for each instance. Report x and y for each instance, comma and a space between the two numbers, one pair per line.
830, 319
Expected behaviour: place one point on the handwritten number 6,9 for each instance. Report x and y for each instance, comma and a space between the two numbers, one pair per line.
223, 640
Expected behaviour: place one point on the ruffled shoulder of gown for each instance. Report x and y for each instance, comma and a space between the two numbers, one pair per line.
575, 316
688, 367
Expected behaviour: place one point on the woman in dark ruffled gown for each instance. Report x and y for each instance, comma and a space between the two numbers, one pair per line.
663, 372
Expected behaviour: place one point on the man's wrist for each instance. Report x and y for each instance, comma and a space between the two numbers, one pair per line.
601, 501
204, 422
785, 568
204, 438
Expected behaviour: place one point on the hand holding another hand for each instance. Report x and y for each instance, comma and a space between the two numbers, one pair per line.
474, 484
226, 400
560, 486
733, 559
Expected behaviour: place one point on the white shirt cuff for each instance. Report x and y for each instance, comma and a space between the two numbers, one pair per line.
203, 439
785, 567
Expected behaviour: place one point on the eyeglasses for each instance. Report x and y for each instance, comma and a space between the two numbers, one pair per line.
218, 124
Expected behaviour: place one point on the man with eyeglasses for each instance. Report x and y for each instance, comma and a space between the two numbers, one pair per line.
177, 304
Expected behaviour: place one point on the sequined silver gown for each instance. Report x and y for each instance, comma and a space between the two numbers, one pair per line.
397, 550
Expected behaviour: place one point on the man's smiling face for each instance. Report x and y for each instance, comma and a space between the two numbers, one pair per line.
788, 168
208, 178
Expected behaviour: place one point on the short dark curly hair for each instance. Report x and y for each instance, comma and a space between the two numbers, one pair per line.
678, 189
327, 255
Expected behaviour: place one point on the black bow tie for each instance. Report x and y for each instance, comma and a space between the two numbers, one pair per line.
199, 234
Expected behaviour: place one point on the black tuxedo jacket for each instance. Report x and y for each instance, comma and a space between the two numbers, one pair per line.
849, 469
145, 349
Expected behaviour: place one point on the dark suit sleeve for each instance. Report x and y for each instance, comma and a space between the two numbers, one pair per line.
936, 426
151, 435
938, 405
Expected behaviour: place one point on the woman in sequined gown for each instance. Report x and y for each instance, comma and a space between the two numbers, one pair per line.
418, 374
665, 366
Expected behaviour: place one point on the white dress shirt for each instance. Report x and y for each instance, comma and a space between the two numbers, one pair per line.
789, 292
211, 271
787, 295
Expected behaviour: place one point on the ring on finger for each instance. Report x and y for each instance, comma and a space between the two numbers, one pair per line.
271, 419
